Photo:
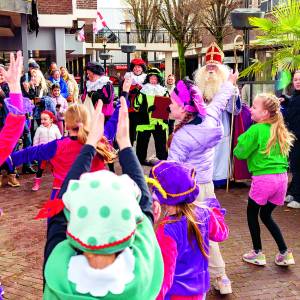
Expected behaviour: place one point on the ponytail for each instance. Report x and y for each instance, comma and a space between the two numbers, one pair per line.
77, 119
279, 132
187, 210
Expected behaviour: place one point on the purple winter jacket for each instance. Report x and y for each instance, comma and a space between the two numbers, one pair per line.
194, 144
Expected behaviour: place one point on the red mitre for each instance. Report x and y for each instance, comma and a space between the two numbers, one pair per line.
214, 54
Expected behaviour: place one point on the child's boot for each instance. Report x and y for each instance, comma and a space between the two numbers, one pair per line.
12, 180
37, 184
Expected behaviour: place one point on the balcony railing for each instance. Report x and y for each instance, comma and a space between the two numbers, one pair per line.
145, 36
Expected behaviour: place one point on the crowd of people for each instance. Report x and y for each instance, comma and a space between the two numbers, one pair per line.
101, 242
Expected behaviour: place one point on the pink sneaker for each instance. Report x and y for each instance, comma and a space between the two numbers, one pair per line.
37, 184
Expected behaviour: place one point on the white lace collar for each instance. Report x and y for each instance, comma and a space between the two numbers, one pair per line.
98, 282
137, 79
153, 89
98, 84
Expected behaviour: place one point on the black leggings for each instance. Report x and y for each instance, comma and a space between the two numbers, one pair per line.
265, 213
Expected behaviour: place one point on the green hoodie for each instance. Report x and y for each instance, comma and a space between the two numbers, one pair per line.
148, 270
251, 146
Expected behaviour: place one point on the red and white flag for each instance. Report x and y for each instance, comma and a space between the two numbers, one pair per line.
80, 36
99, 23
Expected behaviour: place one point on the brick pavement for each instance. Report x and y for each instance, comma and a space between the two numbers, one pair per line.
22, 241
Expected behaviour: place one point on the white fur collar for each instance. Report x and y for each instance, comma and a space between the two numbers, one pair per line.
98, 84
99, 282
136, 79
153, 90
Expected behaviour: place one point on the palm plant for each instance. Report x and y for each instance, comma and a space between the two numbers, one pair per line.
281, 32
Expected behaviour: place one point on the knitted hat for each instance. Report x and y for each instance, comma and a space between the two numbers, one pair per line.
95, 68
157, 73
138, 62
188, 95
214, 54
173, 182
103, 211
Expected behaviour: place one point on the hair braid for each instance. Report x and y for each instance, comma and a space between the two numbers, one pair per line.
187, 118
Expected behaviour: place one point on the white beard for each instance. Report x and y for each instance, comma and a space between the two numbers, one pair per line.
210, 83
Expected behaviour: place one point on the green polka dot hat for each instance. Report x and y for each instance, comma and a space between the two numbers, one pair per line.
103, 211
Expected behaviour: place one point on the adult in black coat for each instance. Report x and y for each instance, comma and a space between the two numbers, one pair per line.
292, 118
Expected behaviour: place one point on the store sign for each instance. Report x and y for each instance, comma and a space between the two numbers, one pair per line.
121, 67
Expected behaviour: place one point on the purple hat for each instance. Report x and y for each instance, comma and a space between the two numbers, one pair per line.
189, 97
174, 182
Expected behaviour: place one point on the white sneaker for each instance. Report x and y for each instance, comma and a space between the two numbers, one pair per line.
285, 259
294, 204
223, 285
288, 199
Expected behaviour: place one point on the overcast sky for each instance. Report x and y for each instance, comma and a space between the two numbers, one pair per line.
113, 12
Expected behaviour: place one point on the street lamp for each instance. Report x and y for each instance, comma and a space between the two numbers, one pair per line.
128, 48
240, 20
127, 24
105, 57
104, 42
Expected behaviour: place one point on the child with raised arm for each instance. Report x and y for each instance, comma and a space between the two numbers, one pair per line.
119, 260
265, 146
62, 153
193, 141
17, 107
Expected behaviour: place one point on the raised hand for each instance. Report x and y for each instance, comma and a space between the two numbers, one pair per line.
97, 126
122, 136
233, 77
13, 75
127, 83
156, 210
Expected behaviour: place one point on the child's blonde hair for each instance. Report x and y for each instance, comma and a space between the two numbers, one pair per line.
187, 210
77, 118
279, 132
41, 78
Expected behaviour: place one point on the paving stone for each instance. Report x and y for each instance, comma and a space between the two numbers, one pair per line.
22, 243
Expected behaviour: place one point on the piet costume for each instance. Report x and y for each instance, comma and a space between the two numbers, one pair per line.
148, 125
186, 274
106, 214
102, 89
136, 86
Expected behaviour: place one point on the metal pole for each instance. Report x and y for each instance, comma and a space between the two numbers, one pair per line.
128, 54
105, 66
247, 50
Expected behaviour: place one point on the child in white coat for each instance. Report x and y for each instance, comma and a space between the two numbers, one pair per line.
44, 134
